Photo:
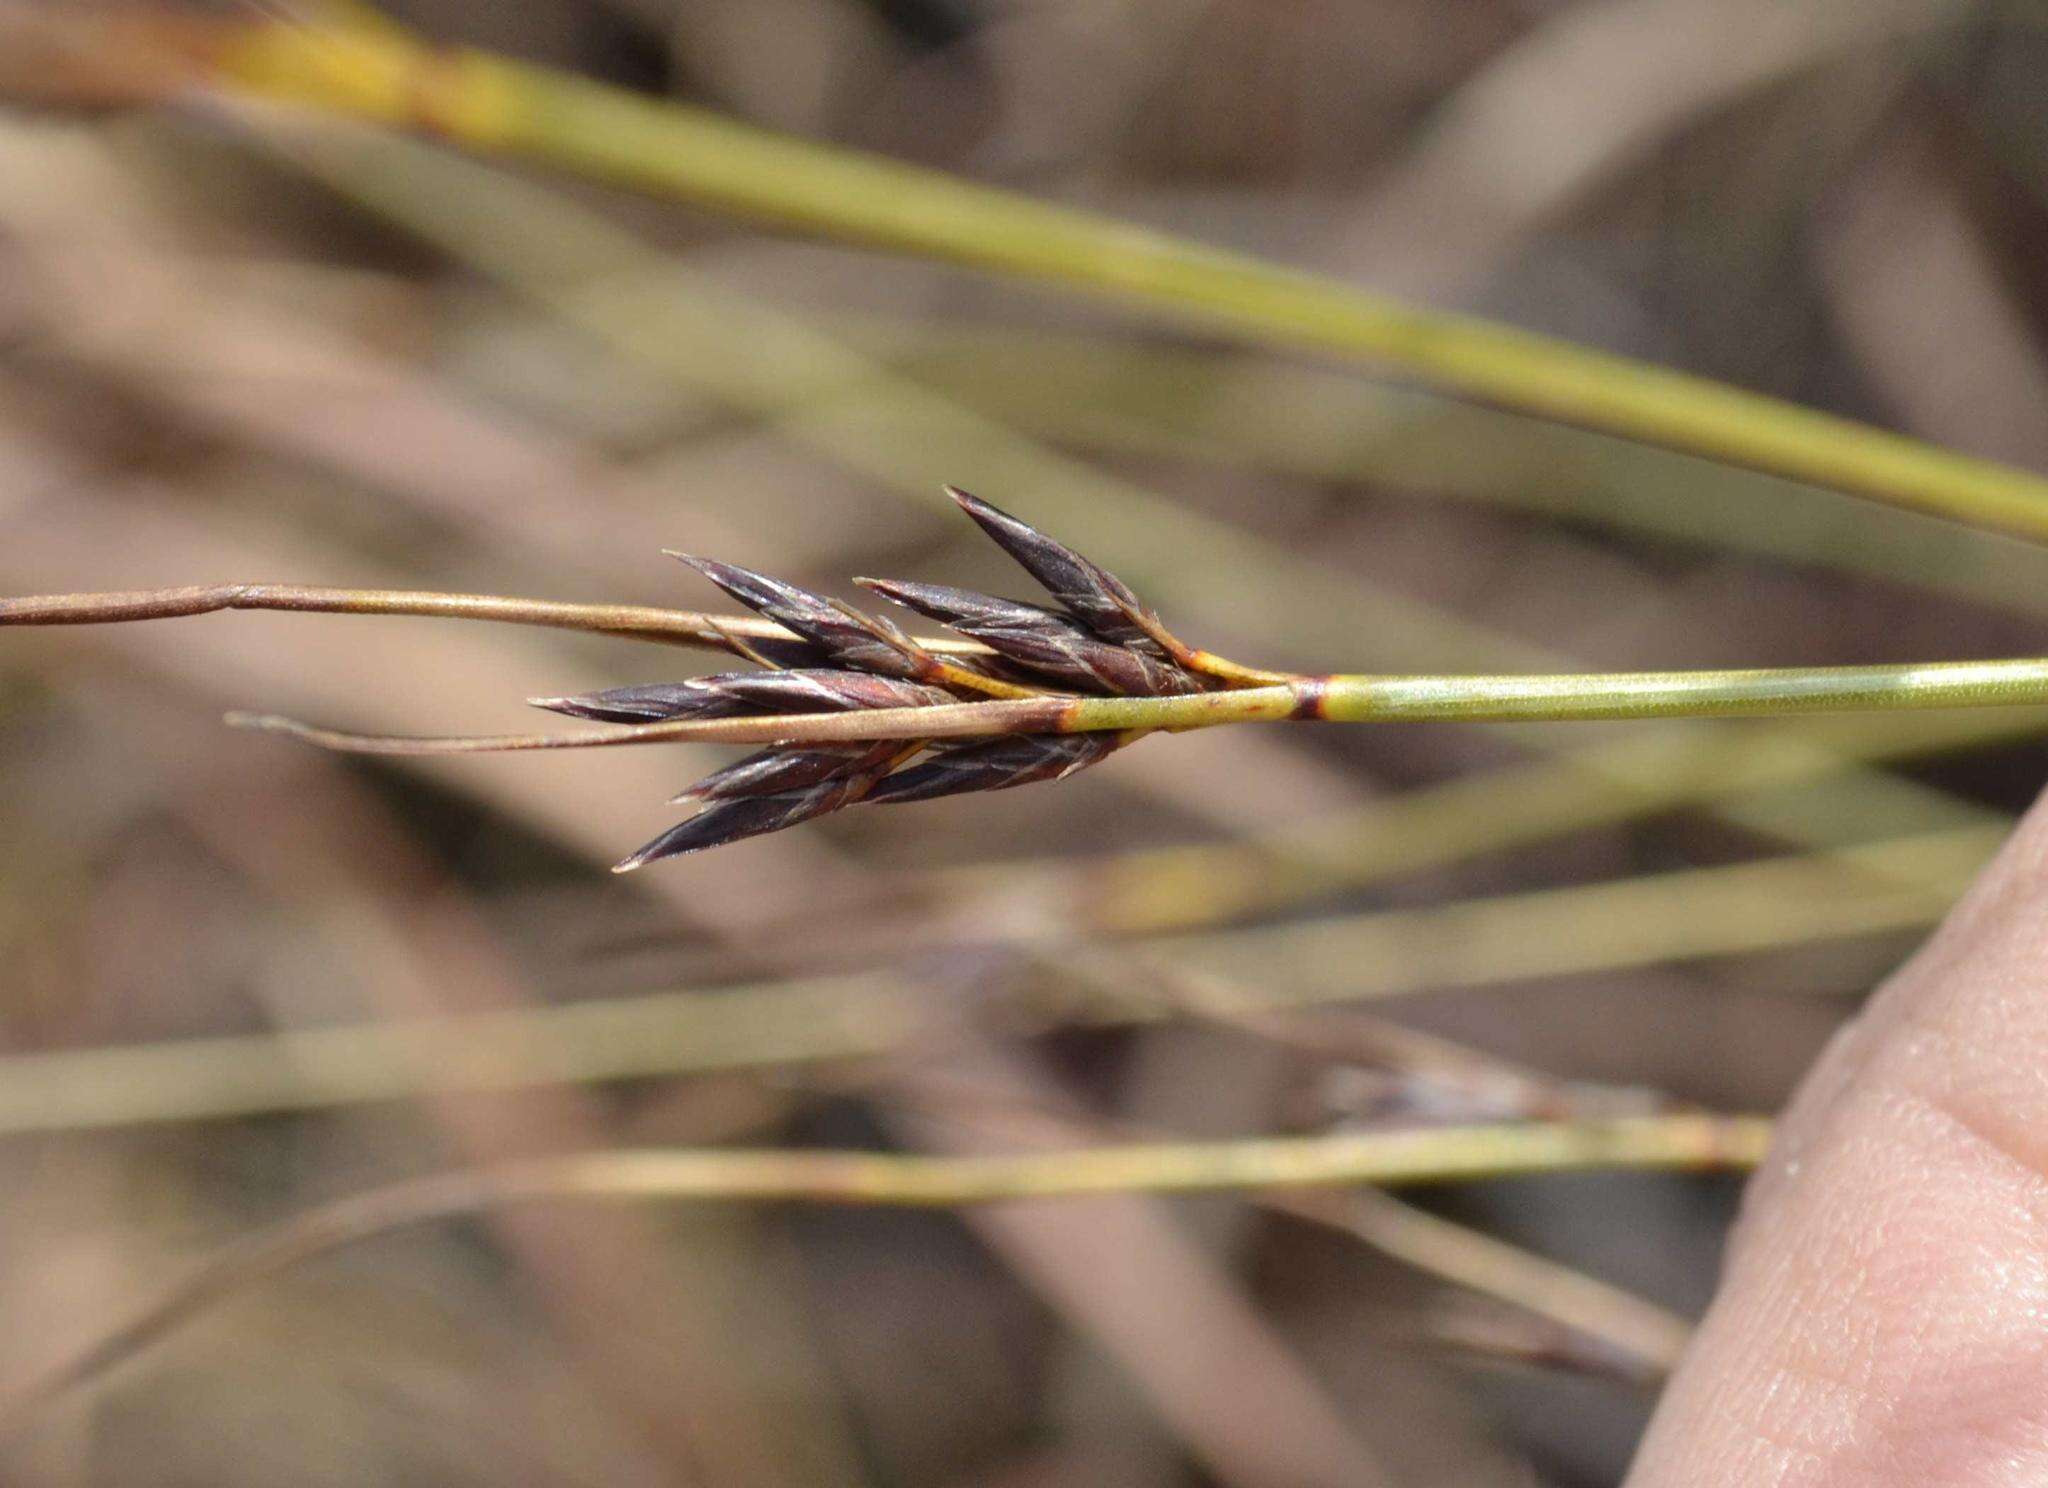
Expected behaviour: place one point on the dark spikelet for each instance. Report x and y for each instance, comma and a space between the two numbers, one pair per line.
649, 704
803, 690
787, 653
821, 690
775, 770
995, 764
750, 816
1095, 596
1042, 641
844, 636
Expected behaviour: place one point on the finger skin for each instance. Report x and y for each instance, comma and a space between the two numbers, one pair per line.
1884, 1317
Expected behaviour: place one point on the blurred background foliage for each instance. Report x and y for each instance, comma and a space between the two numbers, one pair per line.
236, 345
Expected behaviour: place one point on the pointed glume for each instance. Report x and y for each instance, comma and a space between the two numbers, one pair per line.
822, 690
1095, 596
654, 702
803, 690
845, 636
1043, 641
750, 816
773, 770
995, 764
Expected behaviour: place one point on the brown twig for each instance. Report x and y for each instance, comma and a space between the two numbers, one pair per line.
634, 622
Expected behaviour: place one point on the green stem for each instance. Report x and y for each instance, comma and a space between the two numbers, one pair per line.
490, 103
1336, 699
1947, 684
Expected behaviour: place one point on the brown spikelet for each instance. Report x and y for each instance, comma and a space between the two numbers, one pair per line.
1041, 641
1091, 593
822, 690
844, 636
799, 690
750, 816
995, 764
774, 770
651, 703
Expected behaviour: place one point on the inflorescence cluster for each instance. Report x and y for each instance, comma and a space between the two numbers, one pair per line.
1096, 640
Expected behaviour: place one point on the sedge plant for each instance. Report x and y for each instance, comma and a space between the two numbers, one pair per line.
853, 710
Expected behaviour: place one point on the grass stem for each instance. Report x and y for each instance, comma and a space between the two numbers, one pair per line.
635, 622
494, 104
1424, 1155
1577, 696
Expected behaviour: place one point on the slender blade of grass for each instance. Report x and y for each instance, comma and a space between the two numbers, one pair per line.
494, 104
